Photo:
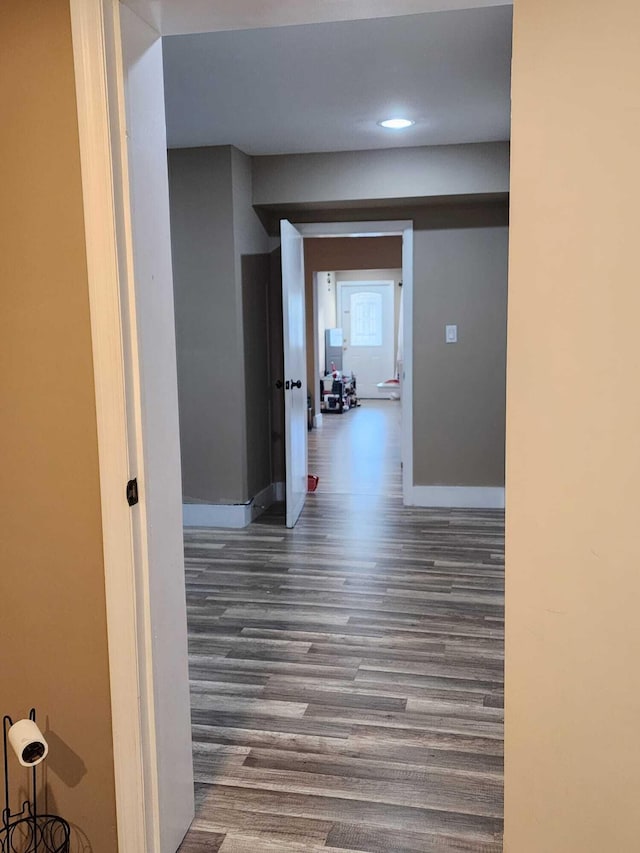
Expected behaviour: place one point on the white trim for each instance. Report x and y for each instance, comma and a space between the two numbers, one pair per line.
93, 23
317, 399
216, 515
471, 497
385, 228
235, 516
116, 107
406, 379
279, 492
263, 500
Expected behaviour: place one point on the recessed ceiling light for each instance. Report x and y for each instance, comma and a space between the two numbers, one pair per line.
396, 123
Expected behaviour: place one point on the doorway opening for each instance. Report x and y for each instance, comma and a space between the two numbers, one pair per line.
355, 446
359, 303
355, 443
161, 653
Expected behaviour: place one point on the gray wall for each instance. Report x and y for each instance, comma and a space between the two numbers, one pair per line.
251, 246
460, 276
228, 316
431, 172
248, 231
221, 269
255, 312
208, 325
276, 365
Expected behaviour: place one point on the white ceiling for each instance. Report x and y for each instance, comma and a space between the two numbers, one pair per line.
174, 17
323, 87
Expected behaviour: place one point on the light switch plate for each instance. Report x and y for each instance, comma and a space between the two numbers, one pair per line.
451, 334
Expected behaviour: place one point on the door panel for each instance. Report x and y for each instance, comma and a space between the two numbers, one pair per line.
295, 371
367, 316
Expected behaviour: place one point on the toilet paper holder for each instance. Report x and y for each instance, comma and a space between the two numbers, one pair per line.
35, 833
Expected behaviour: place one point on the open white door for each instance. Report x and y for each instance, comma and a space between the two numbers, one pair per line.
295, 370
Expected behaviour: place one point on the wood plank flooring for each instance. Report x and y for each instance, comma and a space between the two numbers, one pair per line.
347, 675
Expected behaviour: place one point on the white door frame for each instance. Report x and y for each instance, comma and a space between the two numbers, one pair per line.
146, 621
385, 228
100, 102
151, 366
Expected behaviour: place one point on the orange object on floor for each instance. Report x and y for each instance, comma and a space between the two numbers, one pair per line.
312, 482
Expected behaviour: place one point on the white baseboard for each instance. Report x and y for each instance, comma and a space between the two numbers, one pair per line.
262, 501
317, 420
216, 515
231, 515
470, 497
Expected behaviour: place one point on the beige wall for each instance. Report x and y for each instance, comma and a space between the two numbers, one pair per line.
573, 432
53, 633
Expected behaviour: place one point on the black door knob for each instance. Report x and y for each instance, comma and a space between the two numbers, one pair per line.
279, 384
297, 384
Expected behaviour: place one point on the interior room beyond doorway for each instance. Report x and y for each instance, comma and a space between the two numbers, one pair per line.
355, 360
330, 265
359, 335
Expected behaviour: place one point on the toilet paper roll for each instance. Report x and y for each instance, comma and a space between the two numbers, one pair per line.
28, 743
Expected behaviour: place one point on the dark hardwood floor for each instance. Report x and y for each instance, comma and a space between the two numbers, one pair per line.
347, 675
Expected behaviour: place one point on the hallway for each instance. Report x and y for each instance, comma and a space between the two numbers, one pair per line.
347, 675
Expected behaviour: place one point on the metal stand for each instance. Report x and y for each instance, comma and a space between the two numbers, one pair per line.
26, 831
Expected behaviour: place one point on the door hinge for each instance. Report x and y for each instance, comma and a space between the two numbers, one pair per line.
132, 492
